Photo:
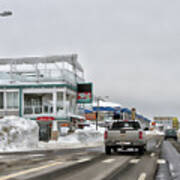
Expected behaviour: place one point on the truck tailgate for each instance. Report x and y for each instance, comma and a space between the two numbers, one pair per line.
126, 136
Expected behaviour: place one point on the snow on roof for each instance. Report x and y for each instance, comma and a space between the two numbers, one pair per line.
106, 104
71, 59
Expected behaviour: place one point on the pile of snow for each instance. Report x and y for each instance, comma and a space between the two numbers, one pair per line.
154, 132
87, 137
17, 134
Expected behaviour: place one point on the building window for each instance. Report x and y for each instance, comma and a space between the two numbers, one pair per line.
1, 100
12, 100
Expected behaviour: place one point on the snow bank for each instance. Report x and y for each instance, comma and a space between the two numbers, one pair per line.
87, 137
18, 134
155, 132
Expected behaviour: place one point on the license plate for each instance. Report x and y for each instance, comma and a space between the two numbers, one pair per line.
122, 132
123, 143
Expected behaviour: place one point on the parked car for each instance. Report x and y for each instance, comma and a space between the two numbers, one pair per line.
125, 134
170, 133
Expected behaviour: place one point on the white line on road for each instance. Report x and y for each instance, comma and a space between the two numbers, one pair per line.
134, 161
108, 161
158, 145
83, 160
161, 161
142, 176
152, 154
29, 171
37, 155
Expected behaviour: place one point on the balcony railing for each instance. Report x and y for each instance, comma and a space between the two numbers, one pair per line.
29, 110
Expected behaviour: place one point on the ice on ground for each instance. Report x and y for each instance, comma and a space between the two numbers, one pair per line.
154, 132
18, 134
87, 137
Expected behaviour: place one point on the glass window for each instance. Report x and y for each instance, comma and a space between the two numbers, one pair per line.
1, 100
125, 125
12, 100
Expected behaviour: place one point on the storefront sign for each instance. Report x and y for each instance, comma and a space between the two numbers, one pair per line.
45, 118
84, 93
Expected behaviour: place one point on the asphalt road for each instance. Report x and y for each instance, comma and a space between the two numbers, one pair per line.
91, 164
82, 164
169, 170
20, 161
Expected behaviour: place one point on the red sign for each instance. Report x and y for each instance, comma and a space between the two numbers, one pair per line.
86, 96
84, 93
45, 118
153, 123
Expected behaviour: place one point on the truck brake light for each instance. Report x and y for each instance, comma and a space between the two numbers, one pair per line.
105, 135
140, 135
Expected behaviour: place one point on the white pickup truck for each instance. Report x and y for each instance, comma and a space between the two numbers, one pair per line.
124, 134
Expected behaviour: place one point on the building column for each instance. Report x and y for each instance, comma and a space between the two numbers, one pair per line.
5, 102
54, 101
64, 101
21, 103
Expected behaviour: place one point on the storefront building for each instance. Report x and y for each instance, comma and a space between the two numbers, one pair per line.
35, 87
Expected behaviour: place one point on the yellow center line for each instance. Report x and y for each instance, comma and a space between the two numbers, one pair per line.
29, 171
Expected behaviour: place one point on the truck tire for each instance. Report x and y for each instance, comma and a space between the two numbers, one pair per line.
115, 150
108, 150
141, 150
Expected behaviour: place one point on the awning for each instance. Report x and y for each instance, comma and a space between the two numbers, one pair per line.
126, 110
103, 109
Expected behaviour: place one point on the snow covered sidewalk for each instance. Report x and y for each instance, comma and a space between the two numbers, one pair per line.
87, 137
18, 134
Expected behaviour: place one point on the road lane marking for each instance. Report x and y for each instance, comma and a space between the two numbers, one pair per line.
83, 160
108, 160
142, 176
161, 161
152, 154
134, 161
171, 167
37, 155
158, 145
29, 171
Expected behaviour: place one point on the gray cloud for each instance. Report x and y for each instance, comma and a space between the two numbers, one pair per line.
130, 49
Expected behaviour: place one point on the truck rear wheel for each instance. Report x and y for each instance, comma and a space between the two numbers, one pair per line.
141, 150
108, 150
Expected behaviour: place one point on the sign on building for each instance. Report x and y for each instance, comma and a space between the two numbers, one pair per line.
167, 122
84, 93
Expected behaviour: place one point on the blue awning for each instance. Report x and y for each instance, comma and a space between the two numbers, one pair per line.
87, 111
103, 109
126, 110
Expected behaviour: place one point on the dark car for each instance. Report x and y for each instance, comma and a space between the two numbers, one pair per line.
170, 133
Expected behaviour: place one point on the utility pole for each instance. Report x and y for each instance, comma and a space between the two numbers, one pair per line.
97, 113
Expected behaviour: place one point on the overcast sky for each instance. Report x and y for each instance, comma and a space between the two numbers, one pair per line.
130, 49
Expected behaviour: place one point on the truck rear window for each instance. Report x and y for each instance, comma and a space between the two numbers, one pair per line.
125, 125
